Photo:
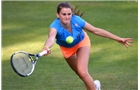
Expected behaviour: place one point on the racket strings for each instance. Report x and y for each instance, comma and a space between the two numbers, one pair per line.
25, 65
22, 63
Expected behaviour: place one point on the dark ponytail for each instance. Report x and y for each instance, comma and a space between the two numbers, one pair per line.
77, 12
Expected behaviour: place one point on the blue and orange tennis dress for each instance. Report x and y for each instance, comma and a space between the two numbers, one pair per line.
80, 37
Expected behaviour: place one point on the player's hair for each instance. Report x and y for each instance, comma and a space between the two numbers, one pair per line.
68, 5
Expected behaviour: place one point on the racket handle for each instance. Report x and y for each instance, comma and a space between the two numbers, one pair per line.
42, 53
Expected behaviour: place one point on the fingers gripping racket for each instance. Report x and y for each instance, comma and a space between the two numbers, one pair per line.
23, 63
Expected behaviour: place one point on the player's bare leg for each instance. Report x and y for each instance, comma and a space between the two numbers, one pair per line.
79, 63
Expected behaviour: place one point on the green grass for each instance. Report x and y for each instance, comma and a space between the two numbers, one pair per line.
25, 26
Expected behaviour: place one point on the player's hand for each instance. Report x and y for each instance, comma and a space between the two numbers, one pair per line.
48, 50
126, 41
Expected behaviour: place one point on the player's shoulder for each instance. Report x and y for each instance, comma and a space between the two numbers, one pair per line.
78, 20
55, 23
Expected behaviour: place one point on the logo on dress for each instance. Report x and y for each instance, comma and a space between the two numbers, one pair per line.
76, 24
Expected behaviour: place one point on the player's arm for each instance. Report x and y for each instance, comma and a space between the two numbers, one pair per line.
50, 40
106, 34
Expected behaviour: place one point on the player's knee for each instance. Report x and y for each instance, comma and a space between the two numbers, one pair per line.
83, 74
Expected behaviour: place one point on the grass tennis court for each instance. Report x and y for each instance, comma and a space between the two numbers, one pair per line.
25, 25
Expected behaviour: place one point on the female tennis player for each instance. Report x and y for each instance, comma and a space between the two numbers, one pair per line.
77, 53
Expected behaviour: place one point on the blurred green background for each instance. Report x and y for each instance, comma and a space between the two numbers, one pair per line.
25, 25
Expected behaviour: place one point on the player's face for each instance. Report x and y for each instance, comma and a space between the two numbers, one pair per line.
65, 15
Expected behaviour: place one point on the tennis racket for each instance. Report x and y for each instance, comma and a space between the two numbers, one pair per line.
23, 63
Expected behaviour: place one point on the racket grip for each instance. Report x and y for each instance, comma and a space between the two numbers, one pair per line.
42, 53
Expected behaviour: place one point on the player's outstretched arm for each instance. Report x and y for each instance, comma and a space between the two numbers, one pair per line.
50, 41
106, 34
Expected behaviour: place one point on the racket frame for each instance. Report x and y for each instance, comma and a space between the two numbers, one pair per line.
33, 61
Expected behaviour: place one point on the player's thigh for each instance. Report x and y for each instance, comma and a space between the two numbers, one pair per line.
83, 57
80, 59
72, 62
